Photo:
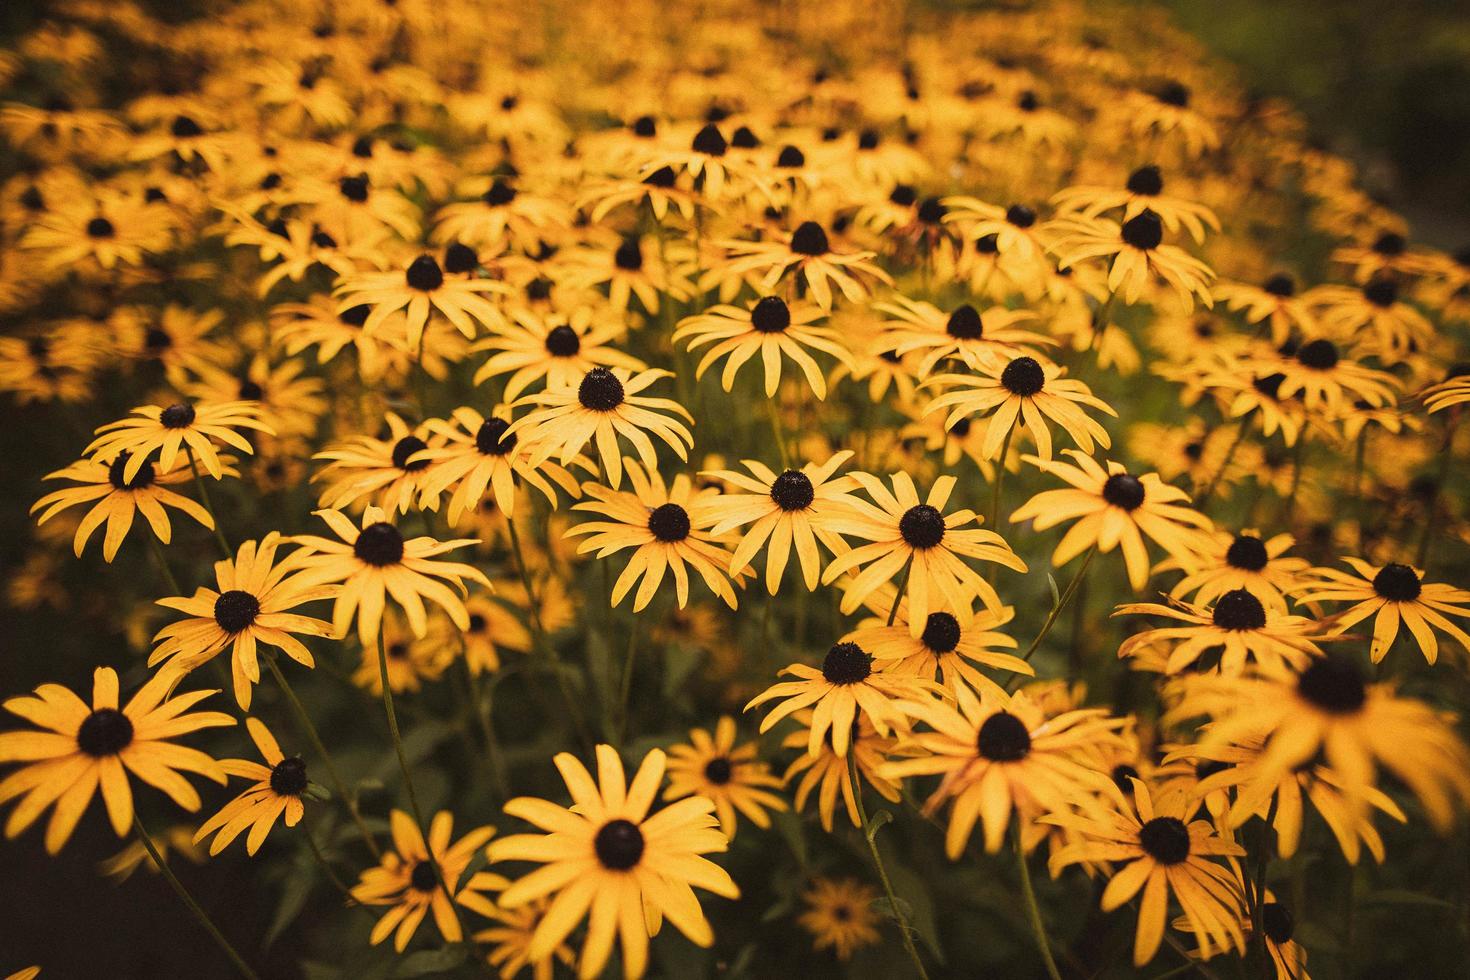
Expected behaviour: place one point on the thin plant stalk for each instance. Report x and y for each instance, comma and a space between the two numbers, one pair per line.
188, 900
219, 535
1033, 910
1056, 610
481, 711
538, 633
626, 689
908, 567
1258, 905
333, 776
869, 834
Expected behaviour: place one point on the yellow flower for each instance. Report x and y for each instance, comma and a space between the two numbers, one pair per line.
1238, 626
83, 749
730, 775
769, 328
1390, 594
609, 855
275, 793
418, 290
481, 455
839, 914
192, 428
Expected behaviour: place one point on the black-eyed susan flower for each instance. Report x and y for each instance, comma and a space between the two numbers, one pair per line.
252, 606
119, 498
946, 650
713, 766
1115, 509
1274, 303
604, 405
1376, 309
846, 688
808, 255
922, 542
510, 940
391, 471
839, 915
1000, 758
1329, 708
1392, 594
1161, 852
418, 877
83, 749
1224, 562
770, 328
418, 290
481, 456
1137, 256
492, 628
194, 429
631, 268
1142, 191
1238, 625
668, 525
609, 855
275, 794
375, 561
103, 234
1027, 391
409, 661
1324, 379
556, 348
787, 510
976, 338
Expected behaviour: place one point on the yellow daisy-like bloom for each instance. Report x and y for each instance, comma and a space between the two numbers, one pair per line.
503, 214
845, 689
102, 234
511, 940
609, 855
1288, 957
602, 406
1164, 852
407, 879
945, 649
119, 498
788, 510
708, 156
667, 524
1447, 394
192, 429
769, 328
177, 840
839, 915
1166, 110
998, 756
629, 270
289, 403
716, 768
920, 540
83, 749
1225, 562
1238, 625
1375, 309
275, 793
1392, 594
1143, 191
1274, 302
392, 471
1325, 380
1222, 769
828, 773
1137, 254
411, 661
492, 628
417, 291
1328, 708
375, 561
481, 455
251, 607
559, 348
1116, 508
1011, 230
979, 339
1027, 390
807, 252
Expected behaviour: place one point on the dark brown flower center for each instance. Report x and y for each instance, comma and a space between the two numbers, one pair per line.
1381, 291
941, 633
629, 255
619, 845
1320, 355
846, 663
460, 258
288, 777
142, 478
235, 610
1333, 684
600, 390
355, 189
921, 526
1165, 839
177, 416
669, 523
491, 439
1123, 490
1023, 376
562, 341
770, 315
1003, 738
709, 141
1144, 231
423, 877
1247, 552
424, 274
1397, 583
1020, 216
1280, 285
104, 732
499, 193
1146, 181
1239, 610
793, 490
718, 771
965, 323
379, 545
1277, 922
809, 239
100, 227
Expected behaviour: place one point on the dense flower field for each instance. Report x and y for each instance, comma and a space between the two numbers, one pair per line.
536, 489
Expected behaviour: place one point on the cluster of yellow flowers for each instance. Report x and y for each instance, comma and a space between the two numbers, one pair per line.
397, 263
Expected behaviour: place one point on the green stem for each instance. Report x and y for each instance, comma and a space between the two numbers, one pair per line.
168, 573
1258, 906
1033, 910
1056, 610
406, 770
1427, 535
908, 567
774, 404
869, 834
219, 535
538, 633
333, 776
1298, 458
481, 709
198, 912
321, 860
626, 690
1000, 476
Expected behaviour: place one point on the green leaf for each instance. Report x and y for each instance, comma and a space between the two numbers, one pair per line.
429, 961
788, 825
1056, 595
293, 900
916, 902
876, 823
1400, 896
